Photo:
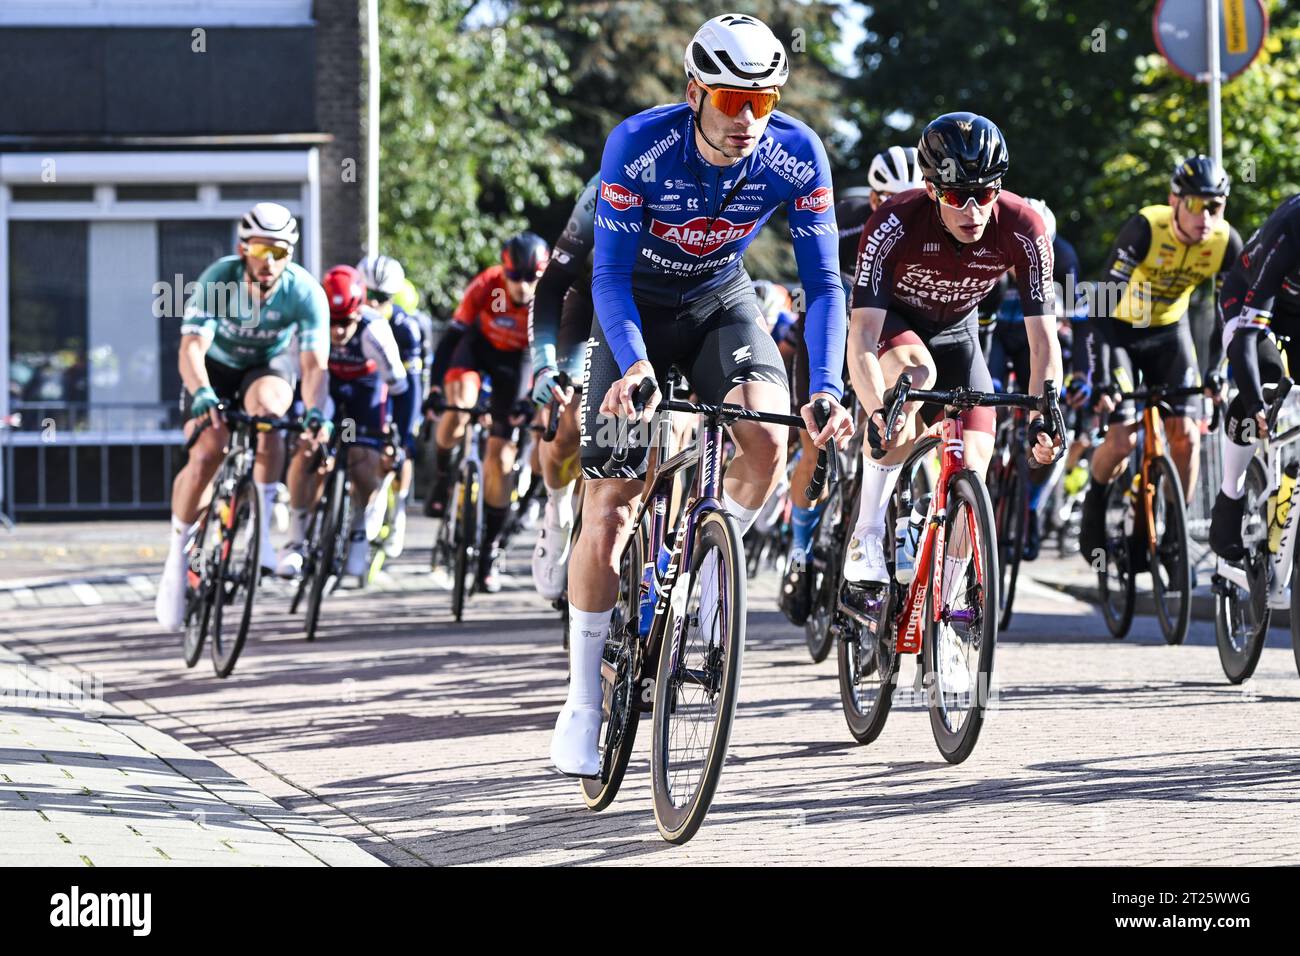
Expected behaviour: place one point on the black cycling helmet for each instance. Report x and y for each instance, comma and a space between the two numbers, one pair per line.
1199, 176
525, 256
962, 150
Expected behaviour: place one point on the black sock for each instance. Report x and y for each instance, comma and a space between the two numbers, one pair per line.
494, 519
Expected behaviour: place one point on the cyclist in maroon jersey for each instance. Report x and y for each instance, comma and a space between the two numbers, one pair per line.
925, 261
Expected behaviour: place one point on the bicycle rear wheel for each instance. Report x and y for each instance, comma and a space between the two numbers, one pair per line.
465, 500
1115, 578
329, 545
237, 579
698, 679
968, 629
1241, 616
619, 678
1168, 554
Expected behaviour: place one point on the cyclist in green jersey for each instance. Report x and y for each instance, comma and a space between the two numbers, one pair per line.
236, 335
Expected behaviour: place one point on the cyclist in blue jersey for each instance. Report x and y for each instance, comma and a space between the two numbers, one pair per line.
385, 279
684, 189
235, 349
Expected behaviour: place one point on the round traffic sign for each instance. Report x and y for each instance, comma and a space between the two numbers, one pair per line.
1180, 32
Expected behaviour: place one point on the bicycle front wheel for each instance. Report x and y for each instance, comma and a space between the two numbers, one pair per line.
1241, 615
465, 500
824, 561
237, 577
200, 589
328, 546
620, 678
1012, 515
1115, 577
959, 646
1169, 557
698, 679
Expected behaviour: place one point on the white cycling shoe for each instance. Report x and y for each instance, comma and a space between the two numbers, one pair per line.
169, 602
267, 555
573, 746
551, 558
291, 558
865, 561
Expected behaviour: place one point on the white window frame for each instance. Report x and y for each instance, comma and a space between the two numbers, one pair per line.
208, 170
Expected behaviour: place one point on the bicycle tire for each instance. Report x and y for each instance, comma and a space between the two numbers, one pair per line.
824, 563
1241, 618
199, 600
1174, 621
1012, 513
236, 576
956, 744
1116, 584
465, 498
715, 533
309, 553
619, 678
326, 554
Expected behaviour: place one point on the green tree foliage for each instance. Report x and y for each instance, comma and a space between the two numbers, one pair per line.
469, 140
1056, 78
1168, 120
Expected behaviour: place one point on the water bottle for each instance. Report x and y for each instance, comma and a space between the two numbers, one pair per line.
650, 578
907, 533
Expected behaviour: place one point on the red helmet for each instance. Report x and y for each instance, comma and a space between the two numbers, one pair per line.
346, 291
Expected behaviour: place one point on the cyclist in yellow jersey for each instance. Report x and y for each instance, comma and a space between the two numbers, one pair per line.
1161, 255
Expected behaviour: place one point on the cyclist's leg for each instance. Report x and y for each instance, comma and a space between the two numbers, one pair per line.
958, 361
607, 513
1170, 359
268, 390
1239, 427
559, 456
461, 387
189, 489
804, 514
509, 382
1109, 457
902, 349
305, 485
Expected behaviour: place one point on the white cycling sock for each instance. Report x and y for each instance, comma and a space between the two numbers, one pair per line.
1236, 459
298, 518
877, 485
180, 536
587, 632
268, 491
745, 517
560, 501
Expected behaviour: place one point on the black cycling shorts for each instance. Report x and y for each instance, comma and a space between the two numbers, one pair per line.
714, 341
958, 360
510, 373
1160, 355
231, 384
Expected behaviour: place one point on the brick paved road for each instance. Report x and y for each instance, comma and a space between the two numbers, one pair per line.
425, 742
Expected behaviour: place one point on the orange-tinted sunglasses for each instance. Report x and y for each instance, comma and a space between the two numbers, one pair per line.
260, 250
732, 101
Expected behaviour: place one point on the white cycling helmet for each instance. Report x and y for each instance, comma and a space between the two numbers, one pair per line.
269, 220
382, 274
737, 51
1048, 217
895, 170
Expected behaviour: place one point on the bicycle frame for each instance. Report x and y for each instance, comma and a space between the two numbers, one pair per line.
929, 573
1279, 594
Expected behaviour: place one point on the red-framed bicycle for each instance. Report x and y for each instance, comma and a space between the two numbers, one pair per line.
948, 612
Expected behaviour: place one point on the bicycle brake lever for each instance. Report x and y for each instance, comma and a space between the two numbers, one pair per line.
901, 389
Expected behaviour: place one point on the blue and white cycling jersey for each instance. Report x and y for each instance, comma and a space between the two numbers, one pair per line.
671, 227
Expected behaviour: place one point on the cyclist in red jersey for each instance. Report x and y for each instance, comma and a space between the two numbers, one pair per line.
488, 337
926, 259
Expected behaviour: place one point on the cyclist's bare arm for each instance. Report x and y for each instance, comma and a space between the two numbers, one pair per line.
315, 378
864, 366
194, 373
1044, 366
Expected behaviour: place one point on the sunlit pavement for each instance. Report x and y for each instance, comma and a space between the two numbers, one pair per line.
424, 741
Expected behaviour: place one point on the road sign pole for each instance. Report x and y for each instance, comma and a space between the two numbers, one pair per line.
1215, 78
